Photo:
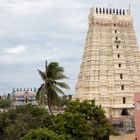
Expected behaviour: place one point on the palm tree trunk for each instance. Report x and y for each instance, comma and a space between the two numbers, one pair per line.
48, 98
49, 105
46, 86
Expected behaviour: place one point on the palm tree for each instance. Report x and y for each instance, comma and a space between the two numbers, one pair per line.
51, 88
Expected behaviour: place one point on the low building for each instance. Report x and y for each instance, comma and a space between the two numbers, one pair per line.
123, 125
24, 97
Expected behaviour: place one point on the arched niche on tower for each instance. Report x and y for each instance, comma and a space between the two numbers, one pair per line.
124, 112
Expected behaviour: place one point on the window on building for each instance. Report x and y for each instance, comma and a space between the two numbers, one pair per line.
117, 12
113, 10
118, 55
122, 87
110, 11
120, 65
107, 11
123, 12
124, 112
116, 38
97, 10
121, 76
120, 12
100, 10
115, 31
117, 46
124, 100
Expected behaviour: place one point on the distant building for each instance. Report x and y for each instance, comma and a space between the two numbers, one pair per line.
24, 97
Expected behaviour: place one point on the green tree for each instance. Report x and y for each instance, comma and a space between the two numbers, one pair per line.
84, 121
72, 125
15, 123
5, 103
43, 134
80, 120
52, 85
94, 115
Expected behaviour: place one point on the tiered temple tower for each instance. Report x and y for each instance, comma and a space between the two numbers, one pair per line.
110, 69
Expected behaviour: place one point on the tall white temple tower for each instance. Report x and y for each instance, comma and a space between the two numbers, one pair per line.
110, 69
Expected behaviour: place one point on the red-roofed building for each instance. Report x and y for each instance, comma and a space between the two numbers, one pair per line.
137, 115
24, 97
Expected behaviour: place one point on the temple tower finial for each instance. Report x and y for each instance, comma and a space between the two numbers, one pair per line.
129, 10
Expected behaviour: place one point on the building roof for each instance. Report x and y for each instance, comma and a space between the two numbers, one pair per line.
24, 93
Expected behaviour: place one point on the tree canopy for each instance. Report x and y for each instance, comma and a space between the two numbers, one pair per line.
80, 121
15, 123
84, 121
5, 103
43, 134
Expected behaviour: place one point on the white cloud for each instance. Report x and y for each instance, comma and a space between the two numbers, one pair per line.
17, 50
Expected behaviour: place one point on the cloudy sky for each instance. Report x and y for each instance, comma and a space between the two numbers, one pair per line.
32, 31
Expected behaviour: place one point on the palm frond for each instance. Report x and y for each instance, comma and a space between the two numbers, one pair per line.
42, 74
39, 91
58, 90
46, 65
62, 85
54, 97
60, 76
51, 93
52, 69
55, 71
41, 95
